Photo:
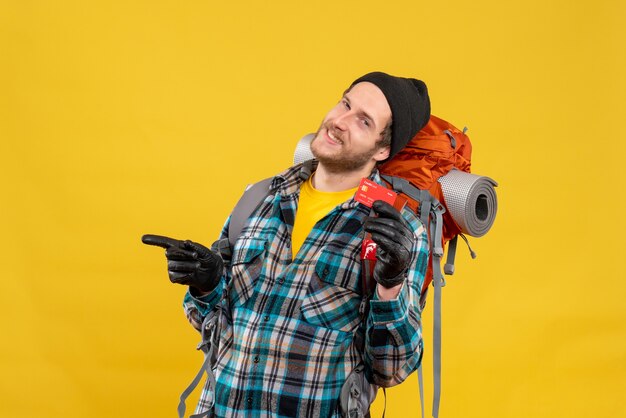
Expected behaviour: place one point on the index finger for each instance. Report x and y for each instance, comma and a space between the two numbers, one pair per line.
385, 210
160, 241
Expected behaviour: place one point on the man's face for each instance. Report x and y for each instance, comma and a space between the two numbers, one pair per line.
348, 137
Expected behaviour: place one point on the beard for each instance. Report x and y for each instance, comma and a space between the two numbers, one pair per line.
340, 161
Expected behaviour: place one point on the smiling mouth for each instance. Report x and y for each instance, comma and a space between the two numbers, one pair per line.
333, 137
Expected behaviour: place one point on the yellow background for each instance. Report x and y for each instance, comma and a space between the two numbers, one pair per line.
119, 118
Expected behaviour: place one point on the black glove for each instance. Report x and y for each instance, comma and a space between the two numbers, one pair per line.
395, 239
188, 262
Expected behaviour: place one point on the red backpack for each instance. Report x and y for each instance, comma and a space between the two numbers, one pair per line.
434, 151
415, 173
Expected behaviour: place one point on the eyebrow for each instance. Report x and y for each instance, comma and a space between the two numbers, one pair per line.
361, 112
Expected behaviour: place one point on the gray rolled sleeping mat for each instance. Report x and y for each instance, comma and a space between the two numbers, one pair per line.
303, 149
471, 200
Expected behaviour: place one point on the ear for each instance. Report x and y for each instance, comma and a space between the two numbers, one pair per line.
382, 154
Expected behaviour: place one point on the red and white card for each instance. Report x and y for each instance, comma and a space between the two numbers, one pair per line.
369, 192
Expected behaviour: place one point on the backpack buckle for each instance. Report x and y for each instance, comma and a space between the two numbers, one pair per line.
437, 207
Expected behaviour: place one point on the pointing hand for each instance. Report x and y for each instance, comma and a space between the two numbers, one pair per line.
188, 262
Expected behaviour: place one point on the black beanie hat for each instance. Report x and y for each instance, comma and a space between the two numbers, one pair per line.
409, 103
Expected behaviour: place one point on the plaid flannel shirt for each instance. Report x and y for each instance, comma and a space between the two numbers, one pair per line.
286, 341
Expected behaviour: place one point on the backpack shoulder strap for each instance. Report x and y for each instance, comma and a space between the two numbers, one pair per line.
431, 214
401, 185
438, 282
249, 201
210, 337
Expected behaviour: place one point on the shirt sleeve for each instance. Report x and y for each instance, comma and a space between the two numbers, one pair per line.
393, 343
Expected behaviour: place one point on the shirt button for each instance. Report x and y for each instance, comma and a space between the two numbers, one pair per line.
281, 281
256, 360
266, 318
249, 400
325, 272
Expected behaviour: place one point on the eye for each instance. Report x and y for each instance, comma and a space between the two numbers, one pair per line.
346, 104
366, 122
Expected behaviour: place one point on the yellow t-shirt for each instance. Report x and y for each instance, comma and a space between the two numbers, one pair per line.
313, 205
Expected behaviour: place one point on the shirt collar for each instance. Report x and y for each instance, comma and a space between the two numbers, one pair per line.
289, 181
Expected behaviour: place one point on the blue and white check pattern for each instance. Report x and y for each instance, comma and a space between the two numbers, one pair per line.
287, 334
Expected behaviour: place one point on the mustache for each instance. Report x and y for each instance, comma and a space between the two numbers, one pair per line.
329, 127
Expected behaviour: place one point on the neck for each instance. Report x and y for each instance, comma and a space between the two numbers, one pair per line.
328, 181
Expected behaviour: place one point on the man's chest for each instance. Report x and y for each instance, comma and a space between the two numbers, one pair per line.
320, 284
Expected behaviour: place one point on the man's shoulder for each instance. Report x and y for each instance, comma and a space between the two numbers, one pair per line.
290, 179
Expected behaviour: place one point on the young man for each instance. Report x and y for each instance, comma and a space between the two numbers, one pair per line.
290, 330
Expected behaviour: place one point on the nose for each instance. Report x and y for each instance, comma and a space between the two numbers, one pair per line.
341, 121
